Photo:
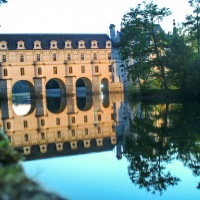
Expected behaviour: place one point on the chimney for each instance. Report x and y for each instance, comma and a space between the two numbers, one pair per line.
112, 32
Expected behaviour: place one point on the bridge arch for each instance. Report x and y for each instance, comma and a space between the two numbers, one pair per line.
105, 85
23, 86
83, 86
55, 87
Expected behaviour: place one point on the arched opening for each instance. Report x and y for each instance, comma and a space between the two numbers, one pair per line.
84, 103
55, 88
104, 85
56, 104
105, 100
23, 88
83, 87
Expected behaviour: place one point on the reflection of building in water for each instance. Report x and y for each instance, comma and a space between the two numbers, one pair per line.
85, 126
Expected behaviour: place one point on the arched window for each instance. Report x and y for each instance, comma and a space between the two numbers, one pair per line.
39, 71
5, 72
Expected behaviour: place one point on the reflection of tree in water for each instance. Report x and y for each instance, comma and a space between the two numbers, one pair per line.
186, 135
160, 134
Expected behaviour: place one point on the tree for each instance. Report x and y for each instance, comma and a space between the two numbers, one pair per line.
192, 23
178, 57
143, 41
3, 1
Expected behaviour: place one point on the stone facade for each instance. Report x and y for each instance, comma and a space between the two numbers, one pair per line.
66, 58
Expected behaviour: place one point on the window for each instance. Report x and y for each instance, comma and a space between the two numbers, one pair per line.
22, 72
86, 131
82, 69
73, 120
3, 58
85, 118
8, 125
26, 138
25, 124
57, 121
96, 69
54, 57
58, 134
73, 133
95, 56
109, 68
68, 56
109, 56
82, 56
5, 72
39, 71
70, 70
37, 57
113, 128
42, 136
99, 130
42, 122
99, 117
112, 116
21, 58
54, 70
37, 44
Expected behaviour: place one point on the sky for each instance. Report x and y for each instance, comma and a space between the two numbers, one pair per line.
77, 16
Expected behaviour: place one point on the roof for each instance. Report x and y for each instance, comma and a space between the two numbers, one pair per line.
67, 151
46, 38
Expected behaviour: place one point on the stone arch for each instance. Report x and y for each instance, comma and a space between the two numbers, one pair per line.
84, 103
23, 86
56, 104
105, 85
83, 86
55, 87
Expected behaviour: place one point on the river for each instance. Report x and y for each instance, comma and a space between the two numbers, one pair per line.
107, 147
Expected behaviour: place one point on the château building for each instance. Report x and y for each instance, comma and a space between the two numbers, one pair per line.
65, 58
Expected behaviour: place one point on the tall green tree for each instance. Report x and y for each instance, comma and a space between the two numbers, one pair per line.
192, 23
143, 41
3, 1
178, 57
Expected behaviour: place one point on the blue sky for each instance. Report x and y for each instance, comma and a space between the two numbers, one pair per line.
76, 16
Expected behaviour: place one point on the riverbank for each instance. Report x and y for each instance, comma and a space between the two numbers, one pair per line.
14, 184
157, 95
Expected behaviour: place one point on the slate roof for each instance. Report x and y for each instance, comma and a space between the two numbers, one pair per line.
45, 39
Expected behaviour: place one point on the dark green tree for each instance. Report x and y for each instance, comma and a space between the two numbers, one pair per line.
3, 1
192, 24
143, 42
178, 57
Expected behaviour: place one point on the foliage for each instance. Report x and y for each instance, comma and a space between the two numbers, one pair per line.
192, 24
3, 1
143, 42
193, 75
178, 57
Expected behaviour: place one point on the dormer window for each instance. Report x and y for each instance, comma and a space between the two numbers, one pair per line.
53, 45
68, 44
81, 44
94, 44
108, 44
3, 45
37, 45
21, 45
